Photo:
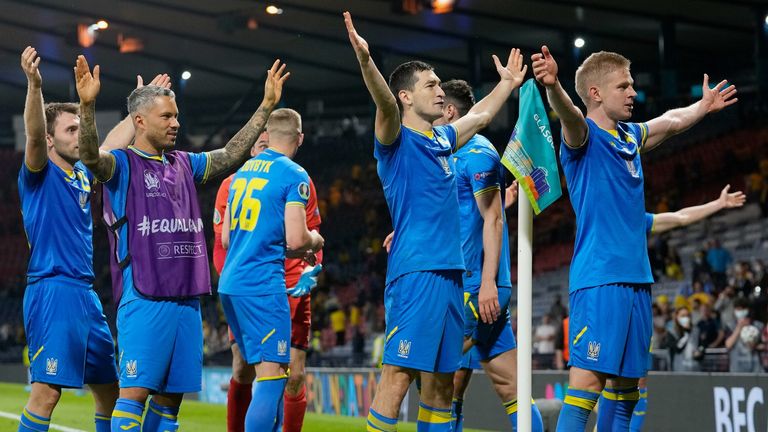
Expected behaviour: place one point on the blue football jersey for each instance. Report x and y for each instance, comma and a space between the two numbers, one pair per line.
649, 221
117, 189
418, 176
56, 208
258, 196
605, 184
479, 170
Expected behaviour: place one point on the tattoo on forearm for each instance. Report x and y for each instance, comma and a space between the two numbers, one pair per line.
235, 153
89, 145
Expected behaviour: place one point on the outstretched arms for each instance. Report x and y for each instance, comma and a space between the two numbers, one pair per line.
511, 76
666, 221
35, 154
678, 120
100, 163
574, 127
236, 151
387, 122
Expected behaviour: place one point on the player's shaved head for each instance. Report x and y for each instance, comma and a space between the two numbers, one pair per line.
144, 97
459, 94
594, 68
284, 124
404, 77
54, 109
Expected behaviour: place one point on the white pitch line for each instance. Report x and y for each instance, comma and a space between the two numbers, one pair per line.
53, 426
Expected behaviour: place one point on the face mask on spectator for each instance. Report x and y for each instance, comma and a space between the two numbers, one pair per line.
684, 321
740, 313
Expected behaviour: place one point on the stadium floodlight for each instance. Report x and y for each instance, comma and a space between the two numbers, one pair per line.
274, 10
186, 75
766, 20
579, 42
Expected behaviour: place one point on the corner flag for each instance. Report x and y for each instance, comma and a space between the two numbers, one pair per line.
530, 152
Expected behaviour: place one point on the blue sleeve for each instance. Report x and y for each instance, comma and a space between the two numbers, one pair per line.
450, 133
649, 218
298, 190
483, 172
201, 164
119, 170
29, 178
568, 152
382, 151
639, 133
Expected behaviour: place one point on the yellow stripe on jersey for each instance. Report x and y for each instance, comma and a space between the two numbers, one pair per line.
32, 170
268, 336
474, 311
146, 155
429, 134
643, 134
37, 353
488, 189
207, 167
578, 336
294, 204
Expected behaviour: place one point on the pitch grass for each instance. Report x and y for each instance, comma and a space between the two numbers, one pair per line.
76, 411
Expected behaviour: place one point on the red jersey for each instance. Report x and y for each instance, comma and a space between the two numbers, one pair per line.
293, 266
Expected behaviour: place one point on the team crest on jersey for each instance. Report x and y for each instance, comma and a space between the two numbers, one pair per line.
83, 199
404, 348
282, 347
131, 369
216, 217
593, 350
304, 190
51, 366
632, 169
444, 163
151, 181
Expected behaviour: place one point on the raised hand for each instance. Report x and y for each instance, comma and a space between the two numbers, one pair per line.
717, 98
731, 200
88, 85
29, 63
273, 86
544, 67
515, 70
358, 43
161, 80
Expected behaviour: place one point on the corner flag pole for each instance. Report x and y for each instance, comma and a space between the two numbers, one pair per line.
524, 310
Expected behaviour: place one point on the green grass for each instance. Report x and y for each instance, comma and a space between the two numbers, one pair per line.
76, 411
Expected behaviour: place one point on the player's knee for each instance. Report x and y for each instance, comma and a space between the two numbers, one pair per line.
243, 373
295, 382
620, 382
44, 398
507, 390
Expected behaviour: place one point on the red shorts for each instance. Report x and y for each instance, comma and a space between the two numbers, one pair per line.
301, 321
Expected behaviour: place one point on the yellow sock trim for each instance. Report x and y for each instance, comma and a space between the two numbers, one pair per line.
631, 396
511, 406
126, 414
272, 378
436, 417
101, 417
376, 425
584, 403
31, 418
162, 414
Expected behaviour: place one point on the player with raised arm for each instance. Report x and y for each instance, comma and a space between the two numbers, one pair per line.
156, 234
69, 340
610, 275
423, 296
266, 210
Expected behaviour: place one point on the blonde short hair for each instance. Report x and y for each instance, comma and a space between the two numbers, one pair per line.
595, 68
285, 122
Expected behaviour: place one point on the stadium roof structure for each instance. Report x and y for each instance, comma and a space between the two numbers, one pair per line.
228, 44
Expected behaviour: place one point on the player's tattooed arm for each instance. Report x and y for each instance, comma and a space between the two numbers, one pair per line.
235, 153
100, 163
121, 136
35, 154
387, 122
511, 76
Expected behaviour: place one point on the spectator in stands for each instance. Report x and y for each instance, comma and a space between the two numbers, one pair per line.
665, 307
711, 333
700, 294
724, 306
718, 259
338, 323
744, 342
544, 337
557, 311
700, 266
682, 342
743, 279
